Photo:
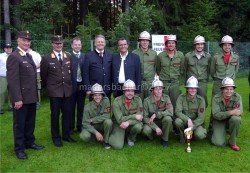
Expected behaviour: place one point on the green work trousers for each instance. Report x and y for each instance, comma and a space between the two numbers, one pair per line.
3, 92
146, 85
39, 88
202, 91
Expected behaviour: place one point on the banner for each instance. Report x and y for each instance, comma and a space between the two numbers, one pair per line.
158, 43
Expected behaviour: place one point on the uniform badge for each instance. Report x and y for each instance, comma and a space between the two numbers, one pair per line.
140, 109
237, 105
68, 62
108, 109
201, 110
21, 53
64, 55
53, 55
169, 105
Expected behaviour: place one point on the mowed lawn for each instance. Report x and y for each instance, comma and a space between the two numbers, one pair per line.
142, 157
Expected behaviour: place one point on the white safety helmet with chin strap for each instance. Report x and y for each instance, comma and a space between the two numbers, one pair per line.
226, 39
171, 37
227, 82
97, 89
192, 82
199, 39
144, 36
129, 85
156, 83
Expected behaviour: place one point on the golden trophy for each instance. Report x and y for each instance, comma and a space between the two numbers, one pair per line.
188, 134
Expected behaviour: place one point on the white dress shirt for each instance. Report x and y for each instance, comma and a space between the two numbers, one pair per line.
121, 78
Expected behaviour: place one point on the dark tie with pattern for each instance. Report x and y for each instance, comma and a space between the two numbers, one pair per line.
101, 54
30, 57
60, 59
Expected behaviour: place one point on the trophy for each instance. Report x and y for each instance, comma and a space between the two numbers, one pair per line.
188, 134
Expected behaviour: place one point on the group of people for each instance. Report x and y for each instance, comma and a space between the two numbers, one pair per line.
144, 102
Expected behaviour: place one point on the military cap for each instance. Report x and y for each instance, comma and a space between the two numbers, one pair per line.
57, 39
7, 46
24, 34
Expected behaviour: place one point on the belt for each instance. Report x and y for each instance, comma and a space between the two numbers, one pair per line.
202, 80
171, 81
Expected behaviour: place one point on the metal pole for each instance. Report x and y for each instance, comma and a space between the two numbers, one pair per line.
92, 45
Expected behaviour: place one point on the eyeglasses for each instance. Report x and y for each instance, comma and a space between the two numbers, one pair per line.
121, 45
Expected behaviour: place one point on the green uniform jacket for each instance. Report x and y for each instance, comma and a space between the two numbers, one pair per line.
193, 109
123, 113
164, 108
168, 69
219, 69
221, 110
148, 64
199, 68
97, 113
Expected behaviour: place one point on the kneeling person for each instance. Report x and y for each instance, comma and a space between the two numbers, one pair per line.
158, 113
96, 117
190, 110
127, 116
226, 110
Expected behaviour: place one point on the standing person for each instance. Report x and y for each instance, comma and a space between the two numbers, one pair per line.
78, 95
157, 114
37, 60
190, 111
96, 117
3, 80
197, 64
224, 64
125, 66
169, 67
227, 109
147, 58
97, 67
22, 84
56, 69
127, 116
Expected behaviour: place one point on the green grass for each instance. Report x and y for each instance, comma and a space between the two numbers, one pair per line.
143, 157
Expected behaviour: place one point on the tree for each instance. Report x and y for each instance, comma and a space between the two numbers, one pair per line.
7, 21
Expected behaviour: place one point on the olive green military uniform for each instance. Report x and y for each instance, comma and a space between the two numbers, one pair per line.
191, 109
163, 119
219, 70
222, 119
147, 70
100, 120
199, 68
169, 72
123, 113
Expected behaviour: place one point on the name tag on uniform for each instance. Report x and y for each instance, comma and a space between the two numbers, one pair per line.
51, 63
25, 61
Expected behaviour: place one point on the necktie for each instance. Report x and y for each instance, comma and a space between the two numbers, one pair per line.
60, 59
30, 57
101, 54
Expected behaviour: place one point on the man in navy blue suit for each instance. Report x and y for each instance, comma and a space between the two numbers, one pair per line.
78, 94
125, 66
97, 67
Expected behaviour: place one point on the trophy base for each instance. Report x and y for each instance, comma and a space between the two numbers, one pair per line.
188, 150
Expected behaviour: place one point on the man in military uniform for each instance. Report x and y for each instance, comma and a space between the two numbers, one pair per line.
56, 69
169, 67
157, 114
190, 110
224, 64
147, 58
227, 109
97, 117
127, 116
197, 64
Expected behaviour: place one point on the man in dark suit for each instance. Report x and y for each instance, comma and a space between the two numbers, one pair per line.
125, 66
56, 68
22, 84
78, 95
97, 67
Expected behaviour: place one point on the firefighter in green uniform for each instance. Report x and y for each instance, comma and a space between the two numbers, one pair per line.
147, 58
190, 110
127, 116
96, 118
169, 67
227, 109
157, 114
224, 64
197, 64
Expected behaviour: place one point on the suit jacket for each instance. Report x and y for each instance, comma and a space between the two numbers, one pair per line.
21, 77
57, 77
75, 62
97, 70
132, 69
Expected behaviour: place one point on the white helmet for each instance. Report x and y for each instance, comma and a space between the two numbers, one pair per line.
97, 89
199, 39
171, 37
227, 82
192, 82
156, 83
144, 36
129, 85
226, 39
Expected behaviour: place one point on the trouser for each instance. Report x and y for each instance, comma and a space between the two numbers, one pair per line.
202, 90
220, 130
3, 92
199, 132
106, 126
164, 124
146, 85
116, 138
39, 87
23, 126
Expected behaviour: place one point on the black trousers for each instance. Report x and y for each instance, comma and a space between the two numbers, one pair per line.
58, 105
77, 100
23, 126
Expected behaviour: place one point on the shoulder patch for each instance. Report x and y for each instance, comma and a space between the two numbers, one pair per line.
237, 105
201, 110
